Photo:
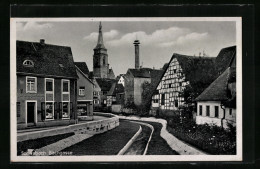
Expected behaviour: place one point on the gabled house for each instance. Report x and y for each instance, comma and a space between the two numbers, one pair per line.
182, 70
46, 85
85, 88
116, 94
134, 78
217, 103
105, 85
121, 79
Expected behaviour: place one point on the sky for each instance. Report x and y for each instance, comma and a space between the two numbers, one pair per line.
159, 39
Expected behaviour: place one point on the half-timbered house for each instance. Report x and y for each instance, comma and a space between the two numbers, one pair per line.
181, 71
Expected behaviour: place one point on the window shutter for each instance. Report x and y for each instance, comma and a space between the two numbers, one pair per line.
43, 110
55, 110
71, 110
60, 110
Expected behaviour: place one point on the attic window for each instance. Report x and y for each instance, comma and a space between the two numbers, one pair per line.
61, 65
28, 63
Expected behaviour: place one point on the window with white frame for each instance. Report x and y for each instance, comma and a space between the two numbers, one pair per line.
82, 91
49, 99
31, 84
65, 98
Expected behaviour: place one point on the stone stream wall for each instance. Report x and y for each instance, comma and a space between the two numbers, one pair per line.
92, 127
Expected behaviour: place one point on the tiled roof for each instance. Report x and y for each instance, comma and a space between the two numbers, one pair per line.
142, 72
197, 70
49, 60
217, 91
224, 58
83, 67
104, 83
116, 88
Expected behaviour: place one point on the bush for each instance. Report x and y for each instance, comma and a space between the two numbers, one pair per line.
211, 139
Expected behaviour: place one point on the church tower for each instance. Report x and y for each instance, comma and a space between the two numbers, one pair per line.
100, 57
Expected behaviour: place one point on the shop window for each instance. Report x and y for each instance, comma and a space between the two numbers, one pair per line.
82, 91
65, 110
200, 110
216, 111
207, 111
49, 110
18, 109
31, 84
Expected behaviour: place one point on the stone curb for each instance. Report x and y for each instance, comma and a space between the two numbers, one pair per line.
130, 142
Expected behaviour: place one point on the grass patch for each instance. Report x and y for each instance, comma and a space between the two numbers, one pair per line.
23, 146
211, 139
108, 143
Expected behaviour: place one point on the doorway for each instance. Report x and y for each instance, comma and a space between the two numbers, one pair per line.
31, 112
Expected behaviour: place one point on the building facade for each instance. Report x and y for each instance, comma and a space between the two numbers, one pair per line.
85, 88
180, 72
46, 85
96, 95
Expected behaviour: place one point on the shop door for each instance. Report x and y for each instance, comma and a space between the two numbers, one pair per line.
30, 112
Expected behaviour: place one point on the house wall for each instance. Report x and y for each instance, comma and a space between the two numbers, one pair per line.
171, 85
96, 96
129, 87
231, 115
211, 119
89, 88
138, 90
203, 119
22, 97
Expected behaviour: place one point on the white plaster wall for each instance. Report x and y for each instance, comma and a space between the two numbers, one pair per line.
211, 119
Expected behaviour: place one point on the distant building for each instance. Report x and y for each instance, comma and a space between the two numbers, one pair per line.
121, 79
96, 96
100, 59
116, 94
46, 85
217, 103
85, 88
134, 80
105, 85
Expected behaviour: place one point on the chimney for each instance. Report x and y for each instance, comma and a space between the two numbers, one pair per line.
42, 41
137, 61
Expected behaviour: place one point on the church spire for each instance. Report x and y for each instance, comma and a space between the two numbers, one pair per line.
100, 43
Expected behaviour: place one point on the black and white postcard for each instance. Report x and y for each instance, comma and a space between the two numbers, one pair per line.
126, 89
